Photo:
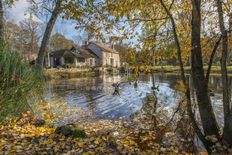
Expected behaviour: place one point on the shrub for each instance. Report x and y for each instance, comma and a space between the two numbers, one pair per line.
20, 84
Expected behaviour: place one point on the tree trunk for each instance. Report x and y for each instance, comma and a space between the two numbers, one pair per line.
208, 119
1, 23
225, 82
47, 34
211, 59
230, 35
201, 136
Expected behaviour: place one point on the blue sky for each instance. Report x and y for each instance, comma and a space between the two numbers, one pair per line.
19, 11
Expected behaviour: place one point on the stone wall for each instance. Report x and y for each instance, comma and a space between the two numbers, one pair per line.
111, 59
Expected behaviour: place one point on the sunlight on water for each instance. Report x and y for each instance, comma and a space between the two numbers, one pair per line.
95, 94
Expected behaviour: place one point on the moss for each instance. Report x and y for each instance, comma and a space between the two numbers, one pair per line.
150, 98
70, 131
79, 133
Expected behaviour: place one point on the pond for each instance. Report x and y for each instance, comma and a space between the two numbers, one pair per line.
95, 94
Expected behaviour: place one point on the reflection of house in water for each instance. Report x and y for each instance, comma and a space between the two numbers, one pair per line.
107, 82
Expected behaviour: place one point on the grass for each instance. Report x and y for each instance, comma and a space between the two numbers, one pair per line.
214, 69
20, 84
70, 73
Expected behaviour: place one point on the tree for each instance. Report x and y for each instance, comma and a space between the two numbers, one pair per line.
130, 8
126, 53
23, 38
43, 48
58, 41
12, 35
29, 35
8, 3
205, 108
225, 82
1, 22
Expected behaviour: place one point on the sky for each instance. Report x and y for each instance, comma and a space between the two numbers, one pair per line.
19, 12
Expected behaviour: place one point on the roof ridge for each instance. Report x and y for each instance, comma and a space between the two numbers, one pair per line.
105, 47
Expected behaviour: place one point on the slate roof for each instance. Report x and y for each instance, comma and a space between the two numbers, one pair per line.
85, 52
105, 48
58, 53
75, 51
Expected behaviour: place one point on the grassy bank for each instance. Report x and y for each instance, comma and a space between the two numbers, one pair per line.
214, 69
70, 73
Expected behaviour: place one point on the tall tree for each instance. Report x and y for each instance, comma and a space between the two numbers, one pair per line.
1, 22
187, 92
205, 108
30, 35
58, 41
43, 48
225, 82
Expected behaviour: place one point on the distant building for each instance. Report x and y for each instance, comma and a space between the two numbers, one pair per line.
92, 54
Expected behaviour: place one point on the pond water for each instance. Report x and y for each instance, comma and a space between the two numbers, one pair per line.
95, 94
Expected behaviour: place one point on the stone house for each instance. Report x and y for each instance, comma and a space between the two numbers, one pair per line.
92, 54
74, 57
106, 56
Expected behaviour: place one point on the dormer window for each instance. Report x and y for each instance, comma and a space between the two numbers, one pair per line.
75, 50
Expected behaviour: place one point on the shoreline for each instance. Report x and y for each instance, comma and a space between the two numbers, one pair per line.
176, 69
69, 73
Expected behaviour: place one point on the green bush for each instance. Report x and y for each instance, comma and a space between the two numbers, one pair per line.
20, 84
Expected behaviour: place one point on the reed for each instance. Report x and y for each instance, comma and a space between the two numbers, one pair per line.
20, 84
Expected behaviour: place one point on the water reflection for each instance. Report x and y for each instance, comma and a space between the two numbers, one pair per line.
95, 94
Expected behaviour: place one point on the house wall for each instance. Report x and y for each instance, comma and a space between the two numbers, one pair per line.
80, 64
91, 62
76, 62
109, 58
51, 62
62, 61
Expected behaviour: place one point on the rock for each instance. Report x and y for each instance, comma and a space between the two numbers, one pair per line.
79, 133
64, 130
70, 131
39, 122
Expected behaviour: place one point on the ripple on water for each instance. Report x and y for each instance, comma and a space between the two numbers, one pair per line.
103, 104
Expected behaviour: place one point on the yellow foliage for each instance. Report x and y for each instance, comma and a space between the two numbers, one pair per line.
180, 86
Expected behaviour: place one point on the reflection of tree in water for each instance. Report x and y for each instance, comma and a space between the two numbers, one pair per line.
87, 92
92, 104
150, 101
